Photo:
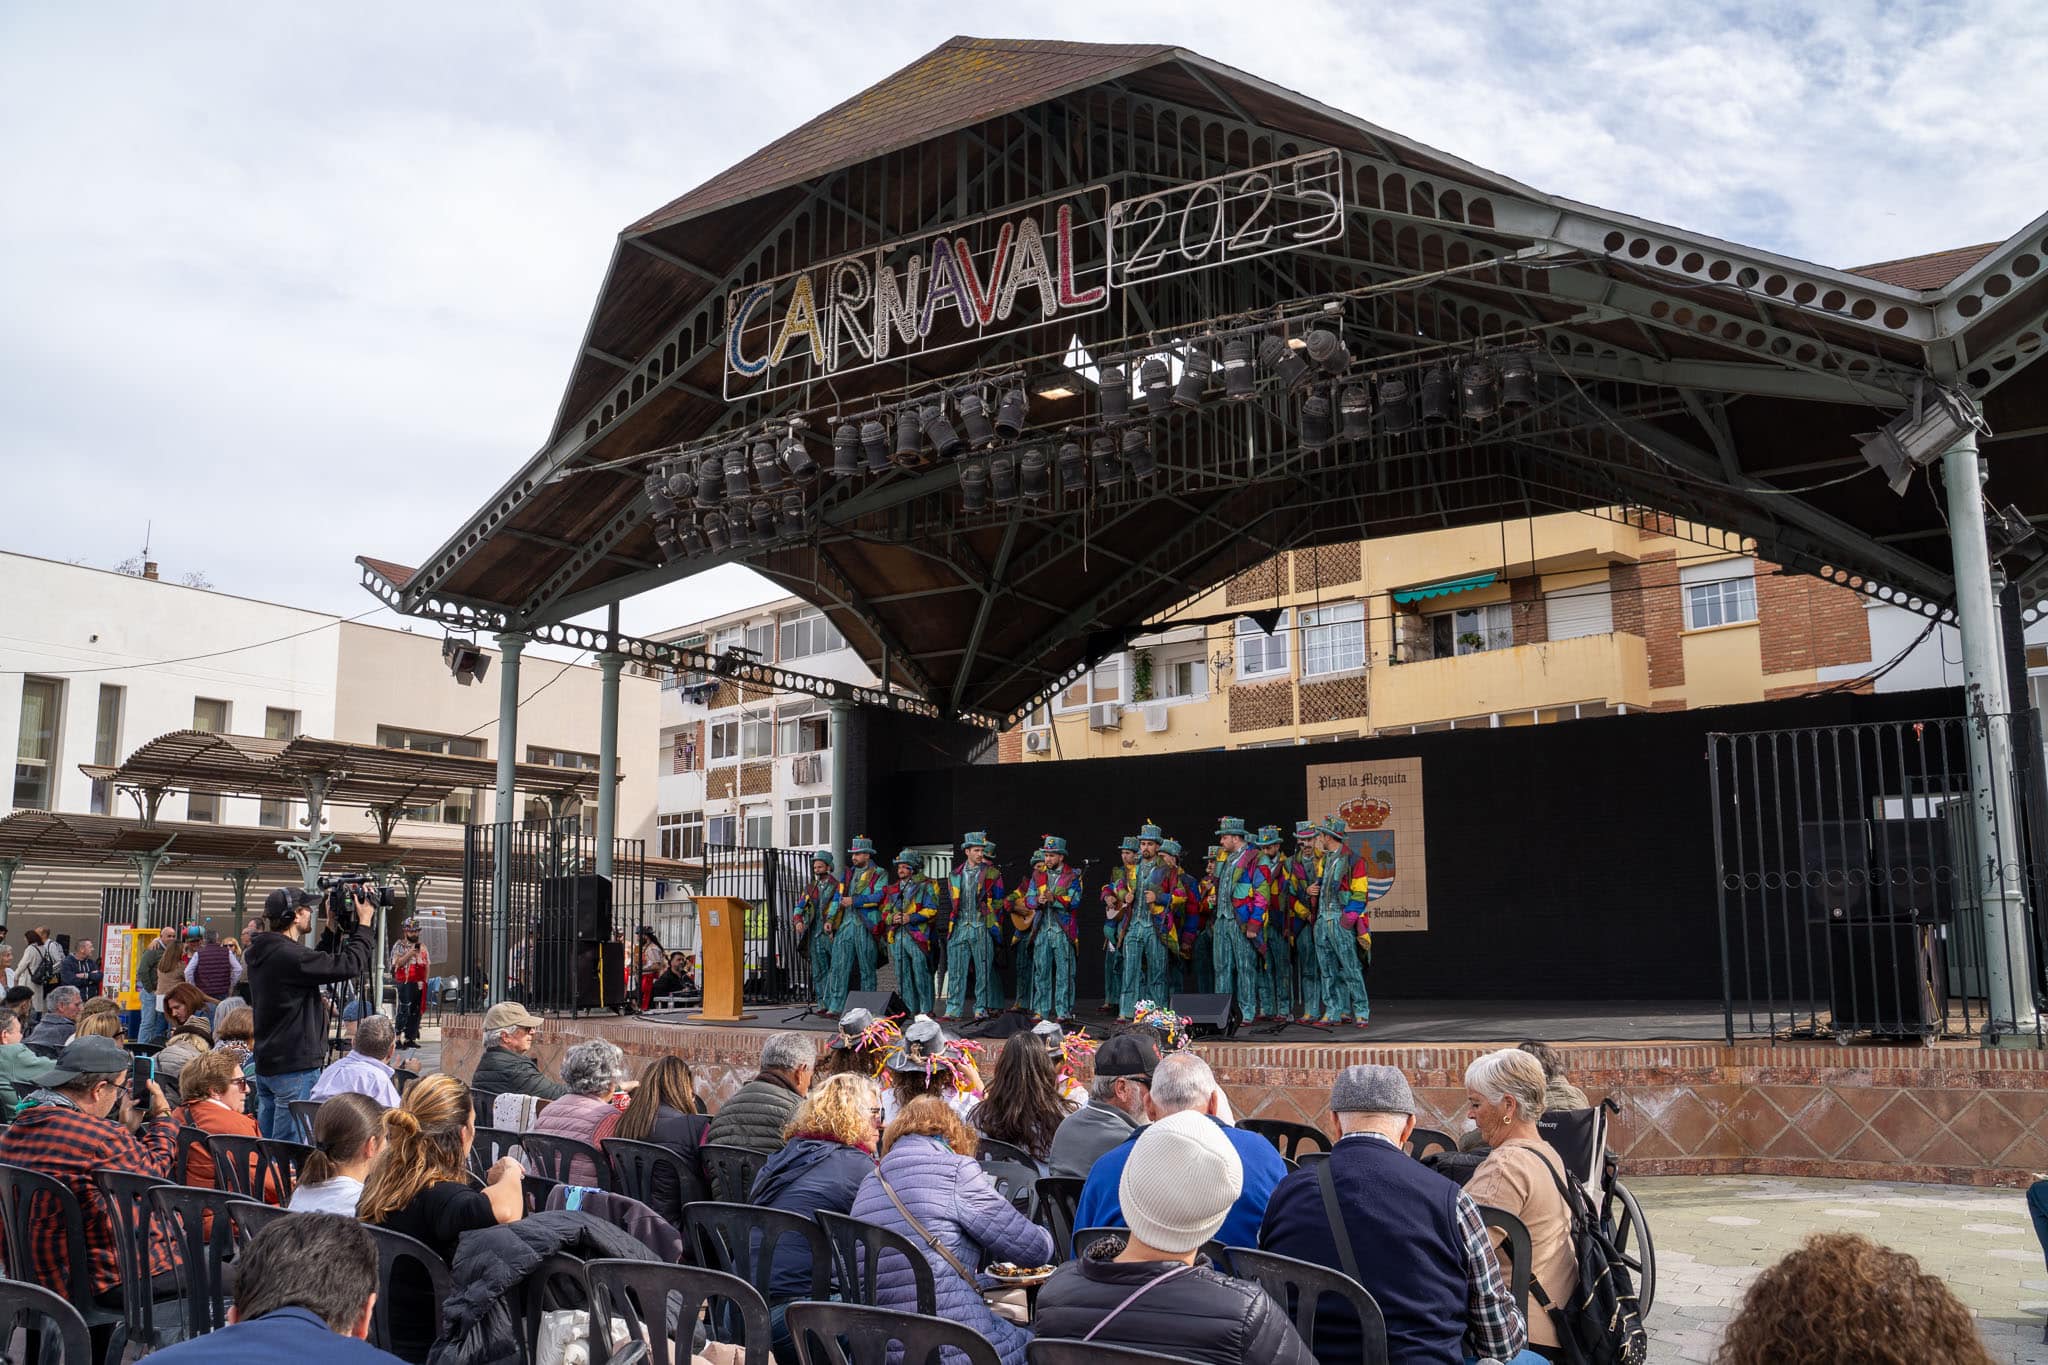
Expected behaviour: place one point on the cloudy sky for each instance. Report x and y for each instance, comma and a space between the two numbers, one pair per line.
300, 281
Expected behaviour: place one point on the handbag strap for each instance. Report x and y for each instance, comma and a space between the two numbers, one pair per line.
934, 1243
1133, 1297
1328, 1184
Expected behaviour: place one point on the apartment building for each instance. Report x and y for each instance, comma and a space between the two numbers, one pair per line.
94, 664
748, 765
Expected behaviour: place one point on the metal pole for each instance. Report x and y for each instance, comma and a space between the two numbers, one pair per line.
841, 832
8, 867
607, 759
510, 644
1988, 718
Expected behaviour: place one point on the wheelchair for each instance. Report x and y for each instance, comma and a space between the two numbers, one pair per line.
1579, 1136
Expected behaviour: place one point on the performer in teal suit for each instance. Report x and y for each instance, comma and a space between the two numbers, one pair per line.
1150, 927
1184, 917
910, 911
860, 922
977, 898
816, 918
1276, 973
1053, 897
1343, 929
1243, 894
1116, 901
1303, 868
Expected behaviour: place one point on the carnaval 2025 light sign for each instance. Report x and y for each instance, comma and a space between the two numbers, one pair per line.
1020, 267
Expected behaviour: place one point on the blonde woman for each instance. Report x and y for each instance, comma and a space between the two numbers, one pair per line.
828, 1149
1504, 1098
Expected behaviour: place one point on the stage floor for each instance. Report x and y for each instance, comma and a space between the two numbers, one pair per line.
1394, 1021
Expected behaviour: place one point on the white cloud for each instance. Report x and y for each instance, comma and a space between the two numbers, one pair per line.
312, 277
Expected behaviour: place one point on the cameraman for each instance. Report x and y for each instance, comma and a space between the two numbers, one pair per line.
285, 978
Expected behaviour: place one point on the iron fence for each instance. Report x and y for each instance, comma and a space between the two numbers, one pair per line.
569, 938
770, 881
1858, 895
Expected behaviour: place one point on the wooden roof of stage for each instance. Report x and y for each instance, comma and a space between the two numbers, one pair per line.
1719, 383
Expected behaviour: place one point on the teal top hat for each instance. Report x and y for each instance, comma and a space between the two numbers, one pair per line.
1215, 852
1230, 824
988, 846
1269, 835
974, 838
1304, 828
1332, 825
1170, 846
1130, 844
862, 844
908, 857
1150, 831
824, 855
1052, 843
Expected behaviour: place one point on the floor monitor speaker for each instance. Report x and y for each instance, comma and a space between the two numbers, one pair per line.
1213, 1014
881, 1004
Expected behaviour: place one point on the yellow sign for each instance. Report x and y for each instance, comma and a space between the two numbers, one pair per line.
125, 948
1380, 803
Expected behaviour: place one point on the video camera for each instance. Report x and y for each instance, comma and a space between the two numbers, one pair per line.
339, 896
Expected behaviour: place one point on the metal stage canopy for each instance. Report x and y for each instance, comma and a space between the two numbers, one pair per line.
1009, 215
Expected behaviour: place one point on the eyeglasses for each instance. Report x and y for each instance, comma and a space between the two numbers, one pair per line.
242, 1081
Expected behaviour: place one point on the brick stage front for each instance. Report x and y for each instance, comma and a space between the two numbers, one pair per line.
1951, 1115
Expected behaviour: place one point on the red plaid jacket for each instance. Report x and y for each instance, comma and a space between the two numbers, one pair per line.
69, 1145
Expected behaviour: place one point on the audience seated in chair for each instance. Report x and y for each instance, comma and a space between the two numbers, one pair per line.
21, 1068
1023, 1105
1151, 1289
348, 1133
1841, 1299
1504, 1098
63, 1004
216, 1101
758, 1112
507, 1066
1115, 1108
665, 1112
367, 1070
594, 1072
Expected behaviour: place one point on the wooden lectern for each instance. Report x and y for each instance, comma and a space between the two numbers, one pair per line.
721, 958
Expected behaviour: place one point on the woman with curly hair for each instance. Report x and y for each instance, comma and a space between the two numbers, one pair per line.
1842, 1299
1022, 1106
828, 1149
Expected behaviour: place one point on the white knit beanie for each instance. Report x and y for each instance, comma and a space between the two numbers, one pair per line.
1180, 1182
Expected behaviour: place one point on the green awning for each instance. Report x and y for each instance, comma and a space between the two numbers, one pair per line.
1445, 588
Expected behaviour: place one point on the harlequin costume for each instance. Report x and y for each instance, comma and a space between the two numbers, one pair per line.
1243, 892
1276, 973
1304, 868
1185, 914
977, 899
910, 910
1343, 927
1149, 933
1117, 893
1053, 896
860, 922
1013, 935
1201, 952
816, 920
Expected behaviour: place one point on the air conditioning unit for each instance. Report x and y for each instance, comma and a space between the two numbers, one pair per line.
1155, 718
1037, 741
1106, 715
808, 768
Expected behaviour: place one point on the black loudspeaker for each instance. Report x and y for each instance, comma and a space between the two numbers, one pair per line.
600, 974
578, 907
881, 1003
1213, 1014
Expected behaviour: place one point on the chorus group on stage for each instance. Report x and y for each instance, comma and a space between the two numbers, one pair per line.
1288, 934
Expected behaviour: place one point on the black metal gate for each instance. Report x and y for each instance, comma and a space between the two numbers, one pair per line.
553, 961
1854, 888
770, 881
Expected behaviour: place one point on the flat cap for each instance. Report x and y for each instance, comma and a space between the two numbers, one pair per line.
1371, 1090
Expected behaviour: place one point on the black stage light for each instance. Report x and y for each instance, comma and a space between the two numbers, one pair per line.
974, 417
1239, 379
1479, 389
1138, 456
665, 537
1436, 395
682, 480
664, 505
797, 460
1328, 351
1397, 405
1102, 454
846, 451
1156, 382
655, 482
1354, 406
1194, 378
874, 443
1002, 478
940, 431
1315, 421
767, 469
1073, 468
1277, 358
736, 485
1116, 393
710, 480
764, 519
1012, 413
1517, 380
736, 526
693, 542
973, 486
714, 534
1032, 475
909, 439
792, 515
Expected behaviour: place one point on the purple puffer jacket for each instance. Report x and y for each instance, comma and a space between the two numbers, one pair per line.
949, 1195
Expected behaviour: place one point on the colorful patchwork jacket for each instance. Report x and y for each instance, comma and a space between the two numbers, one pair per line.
1155, 885
861, 894
1123, 879
1345, 894
818, 906
985, 904
1056, 896
1190, 911
1246, 883
918, 901
1300, 872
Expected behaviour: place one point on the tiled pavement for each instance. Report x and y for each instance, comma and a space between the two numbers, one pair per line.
1714, 1234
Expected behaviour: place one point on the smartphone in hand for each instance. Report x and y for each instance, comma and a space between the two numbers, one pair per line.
141, 1072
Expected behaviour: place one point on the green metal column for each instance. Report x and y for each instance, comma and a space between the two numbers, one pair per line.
240, 877
8, 867
841, 833
145, 865
511, 643
607, 759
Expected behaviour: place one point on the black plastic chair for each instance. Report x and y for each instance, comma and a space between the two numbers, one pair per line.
994, 1149
536, 1191
143, 1049
740, 1239
553, 1156
395, 1250
488, 1146
251, 1217
730, 1170
854, 1334
1428, 1141
857, 1247
1299, 1288
44, 1312
639, 1293
1056, 1352
1516, 1250
305, 1111
484, 1107
637, 1167
1058, 1197
205, 1246
557, 1282
1016, 1183
1291, 1138
133, 1216
26, 1196
188, 1139
247, 1166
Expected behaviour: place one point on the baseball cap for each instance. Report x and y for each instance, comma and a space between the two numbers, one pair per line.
1127, 1054
281, 902
510, 1014
87, 1057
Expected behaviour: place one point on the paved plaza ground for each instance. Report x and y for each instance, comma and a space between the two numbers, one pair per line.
1715, 1233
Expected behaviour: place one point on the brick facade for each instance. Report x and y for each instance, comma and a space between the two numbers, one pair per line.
1808, 622
1261, 706
721, 783
757, 779
1338, 699
1260, 583
1532, 622
1010, 746
1328, 566
1646, 603
687, 748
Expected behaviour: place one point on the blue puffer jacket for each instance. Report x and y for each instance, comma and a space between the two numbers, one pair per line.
807, 1175
956, 1203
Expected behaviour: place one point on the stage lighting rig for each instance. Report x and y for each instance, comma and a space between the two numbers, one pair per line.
1315, 421
1478, 389
909, 439
1517, 380
1102, 455
1436, 394
1354, 408
796, 459
466, 662
845, 451
1002, 478
1012, 413
874, 445
1116, 394
974, 416
763, 517
1194, 378
767, 469
973, 486
710, 481
1397, 404
715, 535
1033, 478
1327, 351
1240, 380
1937, 419
1284, 362
792, 515
939, 431
736, 485
1138, 456
1073, 468
1155, 381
